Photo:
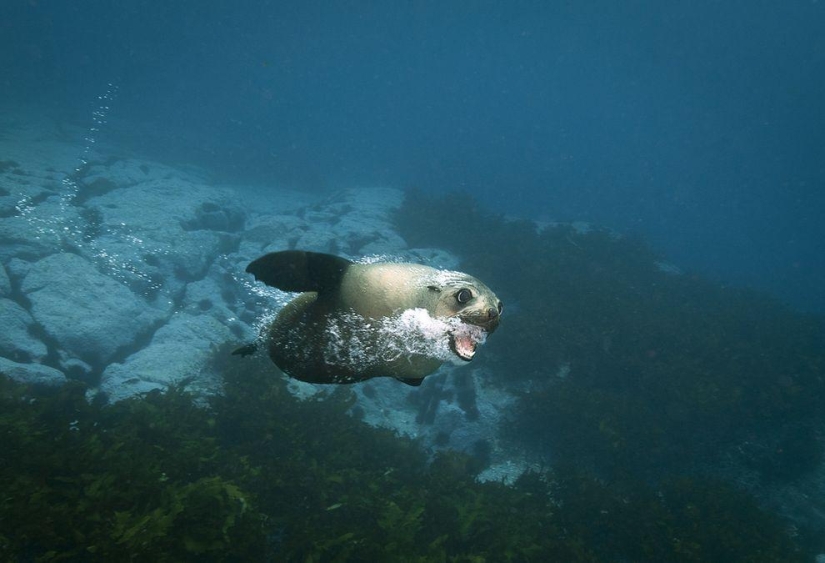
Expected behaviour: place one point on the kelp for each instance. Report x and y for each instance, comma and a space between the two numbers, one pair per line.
132, 481
258, 475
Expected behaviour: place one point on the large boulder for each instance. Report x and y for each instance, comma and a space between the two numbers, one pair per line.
352, 223
180, 352
35, 230
455, 408
162, 233
89, 315
5, 282
16, 340
35, 374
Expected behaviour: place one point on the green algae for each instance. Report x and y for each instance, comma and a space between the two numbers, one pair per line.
259, 475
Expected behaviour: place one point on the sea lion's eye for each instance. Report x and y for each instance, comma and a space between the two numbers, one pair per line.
463, 296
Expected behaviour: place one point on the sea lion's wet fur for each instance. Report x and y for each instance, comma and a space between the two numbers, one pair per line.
354, 320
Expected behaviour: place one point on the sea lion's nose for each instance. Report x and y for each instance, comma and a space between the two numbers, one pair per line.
493, 318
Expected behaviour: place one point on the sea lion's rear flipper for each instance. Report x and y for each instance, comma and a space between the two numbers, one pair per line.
297, 270
246, 350
414, 381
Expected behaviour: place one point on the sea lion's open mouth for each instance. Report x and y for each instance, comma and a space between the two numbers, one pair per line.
465, 338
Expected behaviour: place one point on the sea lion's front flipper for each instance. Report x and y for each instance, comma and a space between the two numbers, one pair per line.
296, 270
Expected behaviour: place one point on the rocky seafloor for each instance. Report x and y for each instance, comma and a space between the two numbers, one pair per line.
128, 274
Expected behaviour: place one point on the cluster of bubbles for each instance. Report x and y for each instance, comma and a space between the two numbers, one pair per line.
267, 299
65, 225
358, 343
75, 231
127, 270
376, 258
99, 117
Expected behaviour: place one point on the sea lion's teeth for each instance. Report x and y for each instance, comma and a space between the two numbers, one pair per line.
464, 346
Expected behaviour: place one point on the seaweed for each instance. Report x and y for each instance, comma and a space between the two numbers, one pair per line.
85, 482
259, 475
683, 519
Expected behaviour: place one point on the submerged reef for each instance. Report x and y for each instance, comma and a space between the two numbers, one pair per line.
260, 475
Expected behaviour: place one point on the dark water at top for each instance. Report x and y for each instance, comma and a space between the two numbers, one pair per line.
699, 124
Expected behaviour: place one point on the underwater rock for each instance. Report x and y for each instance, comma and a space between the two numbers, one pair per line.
221, 301
353, 223
40, 144
147, 225
265, 230
127, 172
348, 223
269, 233
39, 228
157, 207
5, 282
75, 368
88, 314
16, 340
35, 374
315, 240
448, 426
180, 350
212, 216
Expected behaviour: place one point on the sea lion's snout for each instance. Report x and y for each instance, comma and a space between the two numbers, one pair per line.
487, 319
493, 318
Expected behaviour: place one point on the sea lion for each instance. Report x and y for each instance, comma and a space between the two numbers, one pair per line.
357, 321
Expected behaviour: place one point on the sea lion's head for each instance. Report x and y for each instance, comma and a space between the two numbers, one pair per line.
471, 309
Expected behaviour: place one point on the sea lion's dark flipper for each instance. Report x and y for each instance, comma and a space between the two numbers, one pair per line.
296, 270
246, 350
414, 381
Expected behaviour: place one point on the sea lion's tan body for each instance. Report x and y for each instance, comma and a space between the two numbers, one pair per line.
370, 320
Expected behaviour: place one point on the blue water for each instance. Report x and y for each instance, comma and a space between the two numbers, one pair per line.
698, 124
